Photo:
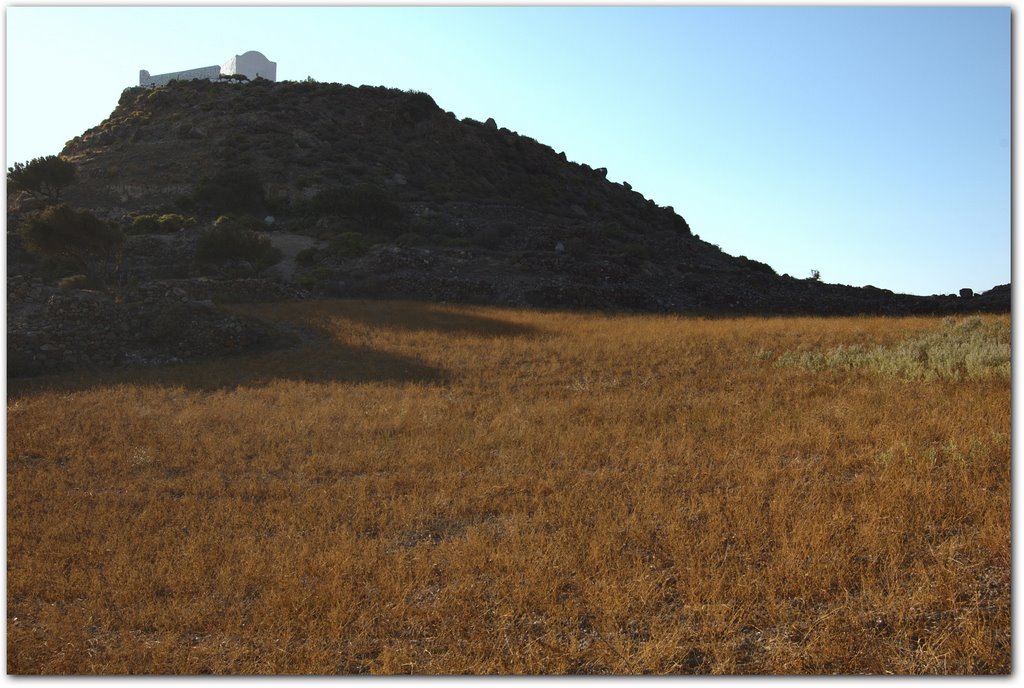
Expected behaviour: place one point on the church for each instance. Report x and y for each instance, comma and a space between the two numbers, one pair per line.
252, 64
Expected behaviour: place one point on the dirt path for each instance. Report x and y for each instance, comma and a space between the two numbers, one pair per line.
290, 245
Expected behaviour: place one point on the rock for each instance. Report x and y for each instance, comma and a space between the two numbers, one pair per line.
560, 247
490, 123
269, 220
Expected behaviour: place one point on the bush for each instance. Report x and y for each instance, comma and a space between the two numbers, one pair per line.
172, 222
76, 236
349, 245
145, 224
968, 349
168, 223
230, 241
75, 282
307, 256
253, 224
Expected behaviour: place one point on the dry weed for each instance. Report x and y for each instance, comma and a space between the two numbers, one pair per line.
440, 489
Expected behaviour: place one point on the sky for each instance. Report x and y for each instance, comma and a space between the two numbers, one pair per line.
871, 143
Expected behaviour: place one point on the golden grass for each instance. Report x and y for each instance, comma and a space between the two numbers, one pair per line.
443, 489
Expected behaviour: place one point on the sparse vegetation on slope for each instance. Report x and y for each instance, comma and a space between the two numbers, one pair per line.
441, 489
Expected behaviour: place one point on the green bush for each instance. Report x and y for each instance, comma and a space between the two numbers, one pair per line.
314, 277
172, 222
167, 223
349, 245
145, 224
231, 241
253, 224
75, 282
307, 256
75, 236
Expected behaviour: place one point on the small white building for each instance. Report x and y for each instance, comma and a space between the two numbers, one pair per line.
252, 64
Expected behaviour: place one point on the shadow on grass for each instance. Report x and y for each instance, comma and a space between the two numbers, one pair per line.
322, 359
402, 315
319, 362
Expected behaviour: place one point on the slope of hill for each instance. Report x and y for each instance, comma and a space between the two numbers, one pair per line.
403, 200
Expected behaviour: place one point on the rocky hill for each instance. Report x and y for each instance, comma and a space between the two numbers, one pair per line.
375, 192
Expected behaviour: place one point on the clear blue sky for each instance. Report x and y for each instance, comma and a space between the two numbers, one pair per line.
870, 143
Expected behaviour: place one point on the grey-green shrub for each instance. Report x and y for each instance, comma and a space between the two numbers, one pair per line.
968, 349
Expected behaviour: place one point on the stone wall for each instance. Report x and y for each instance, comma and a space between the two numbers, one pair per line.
55, 330
151, 80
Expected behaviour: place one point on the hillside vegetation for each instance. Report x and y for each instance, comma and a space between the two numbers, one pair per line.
453, 489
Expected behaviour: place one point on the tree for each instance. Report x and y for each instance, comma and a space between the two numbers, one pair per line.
75, 235
42, 176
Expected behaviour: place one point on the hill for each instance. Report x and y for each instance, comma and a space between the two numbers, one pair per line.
448, 209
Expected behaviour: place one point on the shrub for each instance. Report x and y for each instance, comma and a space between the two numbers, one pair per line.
145, 224
230, 241
313, 278
307, 256
349, 245
74, 282
962, 350
168, 223
172, 222
249, 222
73, 235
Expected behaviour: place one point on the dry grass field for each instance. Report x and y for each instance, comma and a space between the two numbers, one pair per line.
449, 489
